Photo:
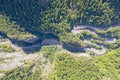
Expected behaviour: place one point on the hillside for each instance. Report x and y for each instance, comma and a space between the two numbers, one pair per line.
59, 40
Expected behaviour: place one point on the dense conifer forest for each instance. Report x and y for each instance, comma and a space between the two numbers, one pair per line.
58, 16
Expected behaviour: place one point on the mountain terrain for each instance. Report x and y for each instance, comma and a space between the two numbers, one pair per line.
59, 40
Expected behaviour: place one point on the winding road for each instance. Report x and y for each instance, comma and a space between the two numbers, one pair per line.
76, 30
79, 28
16, 59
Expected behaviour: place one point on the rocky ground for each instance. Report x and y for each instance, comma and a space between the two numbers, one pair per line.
14, 60
9, 61
79, 28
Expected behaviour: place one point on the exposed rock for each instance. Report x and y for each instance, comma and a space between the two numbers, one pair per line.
11, 60
98, 52
111, 40
10, 66
31, 39
50, 42
14, 60
78, 27
88, 42
1, 75
32, 48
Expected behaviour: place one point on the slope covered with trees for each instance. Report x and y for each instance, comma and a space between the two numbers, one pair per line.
61, 51
58, 16
66, 66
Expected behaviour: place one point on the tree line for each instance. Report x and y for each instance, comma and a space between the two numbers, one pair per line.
58, 16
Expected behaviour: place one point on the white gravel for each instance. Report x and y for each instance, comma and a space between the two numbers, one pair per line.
98, 52
88, 42
77, 31
103, 51
1, 75
13, 60
111, 40
79, 28
94, 28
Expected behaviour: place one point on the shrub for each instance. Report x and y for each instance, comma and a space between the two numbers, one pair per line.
85, 34
109, 64
7, 48
68, 68
49, 52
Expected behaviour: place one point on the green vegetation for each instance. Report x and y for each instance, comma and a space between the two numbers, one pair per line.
24, 13
49, 52
69, 39
11, 29
25, 73
90, 12
114, 32
68, 67
1, 60
6, 48
21, 19
106, 44
58, 16
109, 64
85, 34
103, 67
116, 6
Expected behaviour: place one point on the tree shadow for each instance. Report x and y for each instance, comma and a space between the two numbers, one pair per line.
24, 13
29, 47
27, 14
73, 48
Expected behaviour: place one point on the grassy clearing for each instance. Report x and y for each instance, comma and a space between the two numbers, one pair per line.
6, 48
1, 60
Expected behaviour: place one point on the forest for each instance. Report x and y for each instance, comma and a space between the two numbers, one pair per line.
58, 16
59, 39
